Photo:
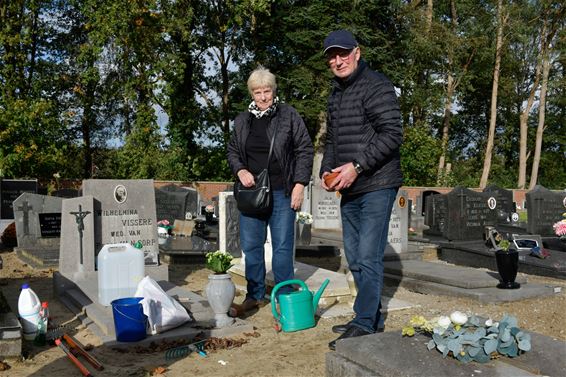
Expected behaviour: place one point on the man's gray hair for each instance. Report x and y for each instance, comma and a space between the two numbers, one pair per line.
261, 77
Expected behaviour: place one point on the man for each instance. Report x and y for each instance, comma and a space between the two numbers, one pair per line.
362, 145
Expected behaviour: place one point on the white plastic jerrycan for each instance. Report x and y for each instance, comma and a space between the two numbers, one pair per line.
120, 269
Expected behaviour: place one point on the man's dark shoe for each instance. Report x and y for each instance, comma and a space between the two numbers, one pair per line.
352, 332
340, 329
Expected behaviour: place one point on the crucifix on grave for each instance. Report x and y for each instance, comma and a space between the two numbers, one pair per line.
79, 218
25, 208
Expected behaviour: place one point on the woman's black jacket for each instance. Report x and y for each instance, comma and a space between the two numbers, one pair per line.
292, 146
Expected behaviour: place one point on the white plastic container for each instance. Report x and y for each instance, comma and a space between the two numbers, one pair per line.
120, 269
28, 310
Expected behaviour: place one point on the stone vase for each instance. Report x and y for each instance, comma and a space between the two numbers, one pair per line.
507, 265
303, 234
220, 292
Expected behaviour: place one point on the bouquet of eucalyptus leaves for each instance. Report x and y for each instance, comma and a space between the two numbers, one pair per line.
219, 261
471, 338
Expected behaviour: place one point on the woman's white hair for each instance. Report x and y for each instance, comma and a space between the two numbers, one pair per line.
260, 78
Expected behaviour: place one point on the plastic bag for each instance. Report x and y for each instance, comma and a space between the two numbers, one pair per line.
163, 311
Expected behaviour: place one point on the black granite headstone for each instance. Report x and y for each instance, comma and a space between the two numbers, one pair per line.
505, 205
544, 208
10, 190
469, 212
66, 193
435, 214
176, 203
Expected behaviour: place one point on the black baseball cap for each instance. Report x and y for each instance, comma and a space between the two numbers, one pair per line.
340, 39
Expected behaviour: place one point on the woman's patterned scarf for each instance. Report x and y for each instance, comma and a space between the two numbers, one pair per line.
252, 108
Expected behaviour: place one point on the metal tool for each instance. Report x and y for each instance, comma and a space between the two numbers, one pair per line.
182, 351
85, 372
77, 348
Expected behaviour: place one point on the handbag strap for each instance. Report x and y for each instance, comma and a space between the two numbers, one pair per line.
270, 149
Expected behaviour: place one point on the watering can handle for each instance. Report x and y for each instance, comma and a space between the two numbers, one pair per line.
276, 288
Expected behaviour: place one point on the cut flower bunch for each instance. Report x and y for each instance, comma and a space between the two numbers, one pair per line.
218, 261
304, 218
471, 338
560, 227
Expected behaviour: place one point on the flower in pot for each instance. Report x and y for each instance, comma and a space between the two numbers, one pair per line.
507, 259
303, 229
220, 290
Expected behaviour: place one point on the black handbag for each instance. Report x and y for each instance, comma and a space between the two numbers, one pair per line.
257, 199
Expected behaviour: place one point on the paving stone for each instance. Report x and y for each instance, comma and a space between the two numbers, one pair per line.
389, 354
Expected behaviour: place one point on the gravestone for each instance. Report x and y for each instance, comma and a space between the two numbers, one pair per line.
544, 208
10, 190
325, 209
422, 199
66, 193
77, 258
436, 214
506, 208
124, 213
38, 221
469, 212
462, 214
173, 202
229, 224
398, 236
183, 228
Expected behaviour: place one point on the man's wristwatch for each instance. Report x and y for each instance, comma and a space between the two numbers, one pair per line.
357, 167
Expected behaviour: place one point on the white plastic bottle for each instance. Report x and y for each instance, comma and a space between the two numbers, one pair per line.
28, 310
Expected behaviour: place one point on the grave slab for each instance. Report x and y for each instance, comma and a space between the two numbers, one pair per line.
391, 355
100, 321
38, 221
476, 254
445, 274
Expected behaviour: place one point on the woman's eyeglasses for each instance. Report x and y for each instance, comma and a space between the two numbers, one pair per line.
343, 54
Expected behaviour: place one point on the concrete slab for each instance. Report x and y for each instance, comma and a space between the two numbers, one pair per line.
340, 309
487, 295
336, 299
476, 254
337, 289
99, 319
443, 273
10, 335
389, 354
38, 258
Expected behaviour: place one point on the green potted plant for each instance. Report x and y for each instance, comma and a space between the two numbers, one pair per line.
220, 290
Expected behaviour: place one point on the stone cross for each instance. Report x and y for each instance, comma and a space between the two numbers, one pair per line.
79, 218
25, 208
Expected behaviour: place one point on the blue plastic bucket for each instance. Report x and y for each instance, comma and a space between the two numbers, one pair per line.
129, 320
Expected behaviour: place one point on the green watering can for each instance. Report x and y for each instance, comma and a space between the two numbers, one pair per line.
297, 308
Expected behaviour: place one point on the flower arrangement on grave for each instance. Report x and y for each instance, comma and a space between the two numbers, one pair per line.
218, 261
304, 218
560, 227
164, 224
471, 338
209, 208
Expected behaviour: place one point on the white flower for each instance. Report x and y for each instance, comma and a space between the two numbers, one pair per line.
489, 322
444, 322
458, 318
57, 175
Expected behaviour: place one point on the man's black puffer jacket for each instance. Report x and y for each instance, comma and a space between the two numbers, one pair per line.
364, 124
292, 146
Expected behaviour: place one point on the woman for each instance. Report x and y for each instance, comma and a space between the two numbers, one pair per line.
289, 171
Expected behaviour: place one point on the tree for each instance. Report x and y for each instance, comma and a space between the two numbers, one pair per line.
501, 20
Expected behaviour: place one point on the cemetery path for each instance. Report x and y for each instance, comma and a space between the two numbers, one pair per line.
266, 352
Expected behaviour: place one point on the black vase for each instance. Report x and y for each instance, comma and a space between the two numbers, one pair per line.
507, 265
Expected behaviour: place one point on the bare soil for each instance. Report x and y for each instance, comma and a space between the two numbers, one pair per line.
265, 352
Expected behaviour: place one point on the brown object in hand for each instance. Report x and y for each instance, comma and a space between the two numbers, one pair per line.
329, 179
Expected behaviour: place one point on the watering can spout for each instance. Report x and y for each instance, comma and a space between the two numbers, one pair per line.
318, 294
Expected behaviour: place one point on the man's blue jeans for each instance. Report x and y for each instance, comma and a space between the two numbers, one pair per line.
253, 233
365, 225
